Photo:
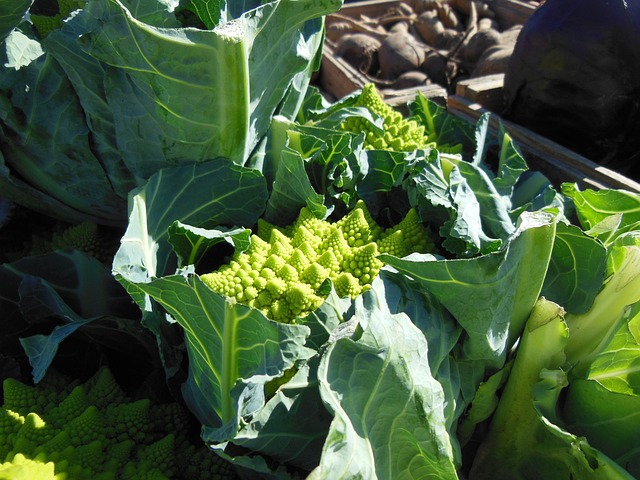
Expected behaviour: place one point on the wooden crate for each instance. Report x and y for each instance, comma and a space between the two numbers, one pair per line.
338, 78
476, 96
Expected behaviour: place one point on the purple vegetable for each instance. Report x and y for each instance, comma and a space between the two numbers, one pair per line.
574, 77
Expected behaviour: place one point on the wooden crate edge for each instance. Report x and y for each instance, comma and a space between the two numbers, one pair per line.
558, 163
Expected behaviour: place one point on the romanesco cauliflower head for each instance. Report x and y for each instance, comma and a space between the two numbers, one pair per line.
69, 431
398, 133
282, 271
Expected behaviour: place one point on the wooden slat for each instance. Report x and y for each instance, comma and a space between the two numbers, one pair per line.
487, 91
558, 163
511, 12
337, 77
369, 8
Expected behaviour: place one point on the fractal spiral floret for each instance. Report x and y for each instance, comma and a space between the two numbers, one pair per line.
397, 134
94, 431
282, 270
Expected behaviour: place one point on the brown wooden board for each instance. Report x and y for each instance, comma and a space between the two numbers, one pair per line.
556, 162
512, 12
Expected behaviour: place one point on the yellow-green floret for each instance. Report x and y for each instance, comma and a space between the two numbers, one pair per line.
73, 431
283, 269
84, 236
398, 133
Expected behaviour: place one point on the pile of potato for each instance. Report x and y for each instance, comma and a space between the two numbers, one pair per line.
417, 42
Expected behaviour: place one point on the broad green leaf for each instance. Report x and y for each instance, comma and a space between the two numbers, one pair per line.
618, 367
87, 77
591, 331
576, 270
13, 187
128, 91
593, 206
202, 195
607, 419
292, 190
155, 98
604, 405
210, 12
494, 207
442, 127
381, 187
192, 243
405, 295
11, 14
227, 194
233, 351
293, 425
159, 13
62, 292
490, 295
511, 164
84, 284
57, 157
20, 50
389, 411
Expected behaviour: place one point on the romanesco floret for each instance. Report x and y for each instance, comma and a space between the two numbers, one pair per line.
85, 236
94, 431
398, 133
23, 468
281, 272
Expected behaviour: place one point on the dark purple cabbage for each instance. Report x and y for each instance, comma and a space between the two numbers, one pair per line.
574, 77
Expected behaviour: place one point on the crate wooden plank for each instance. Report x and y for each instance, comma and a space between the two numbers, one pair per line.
367, 8
487, 91
337, 77
512, 12
558, 163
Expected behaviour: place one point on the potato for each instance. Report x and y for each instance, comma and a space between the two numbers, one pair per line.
494, 60
399, 53
485, 23
448, 17
448, 39
399, 27
464, 7
435, 66
413, 78
420, 6
428, 26
359, 50
479, 42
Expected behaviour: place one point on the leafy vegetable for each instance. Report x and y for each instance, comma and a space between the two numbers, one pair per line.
112, 96
250, 379
591, 354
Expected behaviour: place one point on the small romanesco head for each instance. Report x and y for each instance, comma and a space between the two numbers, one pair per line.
398, 133
70, 431
282, 271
